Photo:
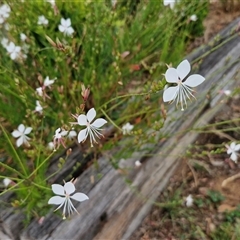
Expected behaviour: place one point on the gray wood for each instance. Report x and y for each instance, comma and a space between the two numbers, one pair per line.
115, 208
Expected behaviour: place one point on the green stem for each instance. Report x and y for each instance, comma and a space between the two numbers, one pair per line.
124, 96
110, 120
12, 169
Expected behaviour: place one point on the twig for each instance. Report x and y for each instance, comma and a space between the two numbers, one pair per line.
230, 179
222, 134
194, 173
215, 163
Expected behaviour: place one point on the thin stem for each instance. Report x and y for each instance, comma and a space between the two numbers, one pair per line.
110, 120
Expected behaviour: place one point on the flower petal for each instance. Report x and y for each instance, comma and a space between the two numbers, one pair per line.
237, 147
99, 122
27, 130
183, 69
61, 28
68, 22
232, 145
69, 31
16, 133
56, 200
82, 135
69, 188
58, 189
229, 151
20, 141
21, 128
194, 80
91, 115
82, 120
79, 197
169, 94
234, 157
171, 75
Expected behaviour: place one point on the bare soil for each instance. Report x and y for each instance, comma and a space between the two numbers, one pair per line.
206, 173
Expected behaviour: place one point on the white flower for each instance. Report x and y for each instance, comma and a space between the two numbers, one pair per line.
65, 197
171, 3
65, 27
13, 50
72, 134
4, 42
4, 12
184, 83
48, 82
52, 2
38, 107
50, 146
189, 201
58, 138
193, 18
42, 20
23, 37
226, 92
138, 163
232, 149
92, 128
114, 2
21, 133
127, 128
39, 91
6, 182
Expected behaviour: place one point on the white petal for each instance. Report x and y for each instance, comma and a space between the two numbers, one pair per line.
64, 133
234, 157
6, 181
72, 134
27, 130
56, 200
10, 47
237, 147
69, 31
99, 122
20, 141
232, 145
91, 115
194, 80
68, 22
82, 120
16, 134
171, 75
61, 28
63, 22
58, 189
82, 135
69, 188
13, 55
169, 94
229, 151
17, 49
21, 128
79, 197
183, 69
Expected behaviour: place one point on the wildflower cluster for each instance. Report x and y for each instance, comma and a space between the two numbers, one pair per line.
44, 84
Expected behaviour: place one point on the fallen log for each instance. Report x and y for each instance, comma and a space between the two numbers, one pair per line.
119, 202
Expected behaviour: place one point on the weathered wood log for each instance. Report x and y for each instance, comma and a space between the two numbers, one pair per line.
116, 208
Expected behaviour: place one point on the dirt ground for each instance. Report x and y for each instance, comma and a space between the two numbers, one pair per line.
206, 173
